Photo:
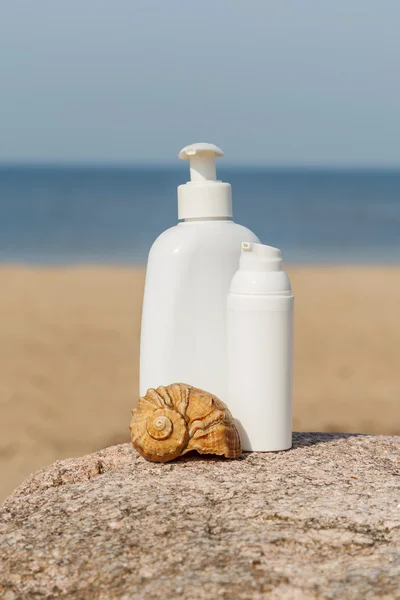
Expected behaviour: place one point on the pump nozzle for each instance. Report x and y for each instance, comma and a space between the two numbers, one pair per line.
260, 271
202, 160
258, 257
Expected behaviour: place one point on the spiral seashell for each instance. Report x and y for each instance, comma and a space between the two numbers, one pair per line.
177, 418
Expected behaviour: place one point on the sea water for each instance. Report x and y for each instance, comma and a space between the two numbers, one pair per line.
113, 214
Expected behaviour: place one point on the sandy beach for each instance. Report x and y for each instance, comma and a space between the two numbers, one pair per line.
69, 357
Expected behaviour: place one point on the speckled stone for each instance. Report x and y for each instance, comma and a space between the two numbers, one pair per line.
319, 521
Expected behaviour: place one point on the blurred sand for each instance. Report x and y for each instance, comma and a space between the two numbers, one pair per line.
69, 357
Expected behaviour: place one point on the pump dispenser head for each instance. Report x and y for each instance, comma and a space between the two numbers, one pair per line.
203, 197
202, 160
260, 271
258, 257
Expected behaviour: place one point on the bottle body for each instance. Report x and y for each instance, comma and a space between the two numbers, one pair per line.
183, 334
259, 347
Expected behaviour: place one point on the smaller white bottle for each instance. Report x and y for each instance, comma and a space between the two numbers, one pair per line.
260, 350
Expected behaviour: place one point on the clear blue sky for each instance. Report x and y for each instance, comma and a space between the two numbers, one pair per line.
283, 81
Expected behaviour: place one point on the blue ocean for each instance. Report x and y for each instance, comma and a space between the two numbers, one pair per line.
113, 214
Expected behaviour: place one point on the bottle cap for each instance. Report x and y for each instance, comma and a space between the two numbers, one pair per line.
260, 271
203, 196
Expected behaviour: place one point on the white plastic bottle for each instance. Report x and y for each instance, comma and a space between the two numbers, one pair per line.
189, 269
260, 349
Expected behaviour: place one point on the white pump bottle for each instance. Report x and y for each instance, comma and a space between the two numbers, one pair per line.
189, 269
260, 350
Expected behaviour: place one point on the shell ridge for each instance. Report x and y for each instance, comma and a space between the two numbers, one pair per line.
198, 426
165, 396
153, 397
149, 402
205, 415
184, 400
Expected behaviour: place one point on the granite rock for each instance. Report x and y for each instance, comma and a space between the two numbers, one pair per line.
319, 521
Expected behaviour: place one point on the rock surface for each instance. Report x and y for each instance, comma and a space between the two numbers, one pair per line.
319, 521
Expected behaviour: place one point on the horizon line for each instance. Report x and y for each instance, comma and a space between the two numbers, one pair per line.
178, 165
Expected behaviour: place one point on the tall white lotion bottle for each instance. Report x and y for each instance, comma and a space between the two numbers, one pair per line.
260, 350
189, 270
